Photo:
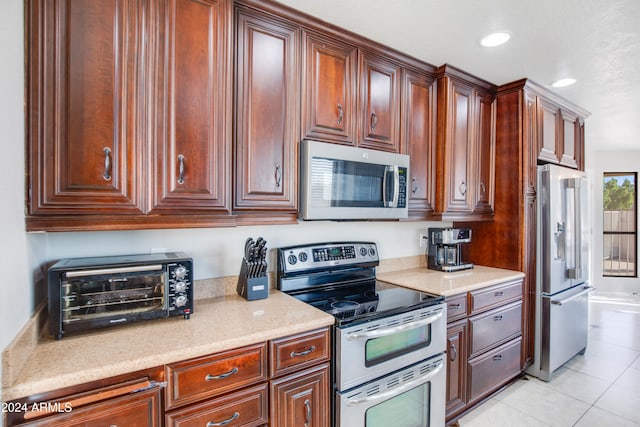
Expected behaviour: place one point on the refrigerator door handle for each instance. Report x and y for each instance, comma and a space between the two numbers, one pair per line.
585, 290
575, 272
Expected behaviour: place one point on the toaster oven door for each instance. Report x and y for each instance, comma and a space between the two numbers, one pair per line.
109, 296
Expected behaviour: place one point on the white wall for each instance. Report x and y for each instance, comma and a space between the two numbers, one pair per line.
600, 162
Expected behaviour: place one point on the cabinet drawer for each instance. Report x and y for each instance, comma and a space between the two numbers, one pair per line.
299, 351
495, 327
137, 409
493, 369
210, 376
487, 298
456, 307
247, 408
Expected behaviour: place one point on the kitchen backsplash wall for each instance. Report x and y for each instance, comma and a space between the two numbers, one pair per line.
218, 252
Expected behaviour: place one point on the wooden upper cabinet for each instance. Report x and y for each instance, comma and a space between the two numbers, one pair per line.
266, 112
548, 131
191, 150
571, 139
84, 133
329, 89
379, 99
418, 139
465, 146
485, 153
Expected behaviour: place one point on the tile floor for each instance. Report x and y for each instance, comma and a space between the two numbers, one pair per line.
601, 388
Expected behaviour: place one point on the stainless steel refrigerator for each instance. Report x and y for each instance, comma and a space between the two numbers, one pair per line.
563, 265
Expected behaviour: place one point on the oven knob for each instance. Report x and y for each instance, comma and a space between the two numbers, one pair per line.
302, 256
180, 272
180, 287
363, 251
372, 252
180, 301
292, 259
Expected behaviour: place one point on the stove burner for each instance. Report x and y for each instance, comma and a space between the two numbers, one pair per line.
345, 305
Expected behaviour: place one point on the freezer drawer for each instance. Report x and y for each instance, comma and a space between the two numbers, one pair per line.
564, 327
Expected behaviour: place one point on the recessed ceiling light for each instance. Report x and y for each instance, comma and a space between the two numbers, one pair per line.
495, 39
563, 82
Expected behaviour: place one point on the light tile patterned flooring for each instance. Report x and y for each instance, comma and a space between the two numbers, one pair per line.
601, 388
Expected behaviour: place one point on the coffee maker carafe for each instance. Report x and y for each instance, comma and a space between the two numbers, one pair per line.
444, 251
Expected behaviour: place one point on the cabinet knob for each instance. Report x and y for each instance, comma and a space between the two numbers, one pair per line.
107, 164
340, 114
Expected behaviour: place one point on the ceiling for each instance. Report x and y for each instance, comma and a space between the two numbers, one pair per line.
596, 42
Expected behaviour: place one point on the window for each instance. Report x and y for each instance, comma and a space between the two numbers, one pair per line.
620, 225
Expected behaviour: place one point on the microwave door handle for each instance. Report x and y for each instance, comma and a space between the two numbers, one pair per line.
400, 389
391, 172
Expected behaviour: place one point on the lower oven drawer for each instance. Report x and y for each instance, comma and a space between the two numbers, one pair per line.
493, 369
495, 327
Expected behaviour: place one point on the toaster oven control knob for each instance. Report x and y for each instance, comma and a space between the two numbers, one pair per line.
181, 272
180, 286
180, 301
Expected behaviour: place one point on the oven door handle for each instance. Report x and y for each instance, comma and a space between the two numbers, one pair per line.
377, 333
400, 389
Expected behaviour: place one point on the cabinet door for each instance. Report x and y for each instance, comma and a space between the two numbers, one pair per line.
458, 156
548, 133
190, 150
418, 139
138, 409
456, 366
485, 112
329, 85
84, 136
301, 399
267, 94
379, 103
570, 139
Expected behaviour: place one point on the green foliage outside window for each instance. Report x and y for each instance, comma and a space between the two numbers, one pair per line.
619, 197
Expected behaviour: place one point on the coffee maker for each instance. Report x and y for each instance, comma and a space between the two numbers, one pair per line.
444, 252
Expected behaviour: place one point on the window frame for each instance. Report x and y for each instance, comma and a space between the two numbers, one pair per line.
633, 233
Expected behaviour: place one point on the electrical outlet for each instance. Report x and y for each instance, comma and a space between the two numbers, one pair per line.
423, 240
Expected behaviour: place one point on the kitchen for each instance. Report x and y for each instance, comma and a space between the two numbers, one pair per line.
217, 251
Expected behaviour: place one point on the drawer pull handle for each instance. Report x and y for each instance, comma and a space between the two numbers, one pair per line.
498, 293
210, 377
303, 353
454, 306
307, 405
225, 422
497, 357
454, 353
497, 318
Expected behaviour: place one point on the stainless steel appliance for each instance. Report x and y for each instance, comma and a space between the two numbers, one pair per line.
562, 284
339, 183
89, 293
389, 341
444, 252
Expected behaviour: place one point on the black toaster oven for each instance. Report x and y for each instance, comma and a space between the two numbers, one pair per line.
89, 293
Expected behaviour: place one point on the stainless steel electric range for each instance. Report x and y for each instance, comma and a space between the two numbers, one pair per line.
388, 344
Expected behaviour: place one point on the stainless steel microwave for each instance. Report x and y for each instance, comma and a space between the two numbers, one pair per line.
338, 182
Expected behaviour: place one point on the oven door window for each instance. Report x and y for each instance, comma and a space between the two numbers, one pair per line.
341, 183
378, 350
409, 409
92, 297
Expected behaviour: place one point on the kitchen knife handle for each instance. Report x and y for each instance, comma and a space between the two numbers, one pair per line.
278, 176
340, 114
180, 169
107, 164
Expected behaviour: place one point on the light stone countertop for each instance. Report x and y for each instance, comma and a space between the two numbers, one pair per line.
217, 324
448, 284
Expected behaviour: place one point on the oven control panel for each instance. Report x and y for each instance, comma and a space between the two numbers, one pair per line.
317, 256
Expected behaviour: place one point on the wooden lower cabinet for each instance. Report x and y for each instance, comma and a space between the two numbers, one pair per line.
301, 399
483, 345
141, 409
